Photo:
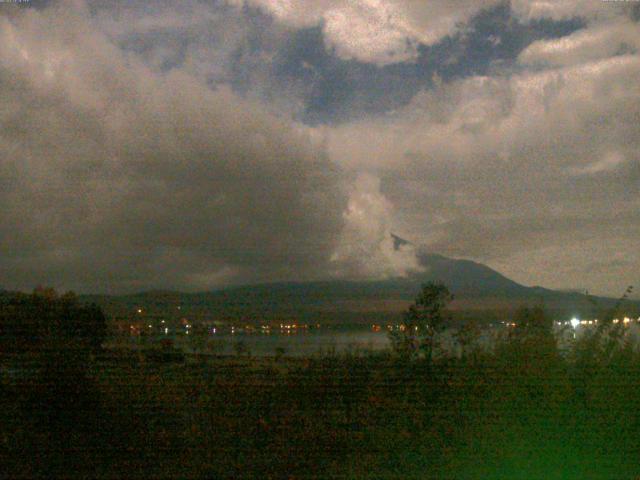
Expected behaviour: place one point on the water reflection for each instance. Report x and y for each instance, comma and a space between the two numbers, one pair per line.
300, 344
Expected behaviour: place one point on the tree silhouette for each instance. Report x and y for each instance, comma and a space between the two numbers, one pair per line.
45, 321
422, 321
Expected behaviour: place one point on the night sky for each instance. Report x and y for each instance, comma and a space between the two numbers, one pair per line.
196, 144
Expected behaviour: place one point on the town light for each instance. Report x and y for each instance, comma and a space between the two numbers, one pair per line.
575, 322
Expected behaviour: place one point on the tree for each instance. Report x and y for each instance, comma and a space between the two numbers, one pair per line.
422, 321
49, 338
532, 340
467, 336
532, 322
45, 320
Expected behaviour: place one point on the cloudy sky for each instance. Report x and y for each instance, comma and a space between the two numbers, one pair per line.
201, 143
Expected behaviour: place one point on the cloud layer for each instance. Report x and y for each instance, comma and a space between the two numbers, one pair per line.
524, 170
202, 143
115, 176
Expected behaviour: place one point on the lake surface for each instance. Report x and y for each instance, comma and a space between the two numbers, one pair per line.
310, 343
298, 344
331, 342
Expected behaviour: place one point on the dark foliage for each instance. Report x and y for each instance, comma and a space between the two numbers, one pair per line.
422, 321
44, 321
523, 410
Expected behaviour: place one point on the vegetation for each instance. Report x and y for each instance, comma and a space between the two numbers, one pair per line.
422, 321
44, 321
522, 410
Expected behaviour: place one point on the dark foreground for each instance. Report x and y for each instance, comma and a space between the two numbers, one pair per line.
521, 413
71, 409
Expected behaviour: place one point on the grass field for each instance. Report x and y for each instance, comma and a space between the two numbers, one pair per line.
522, 412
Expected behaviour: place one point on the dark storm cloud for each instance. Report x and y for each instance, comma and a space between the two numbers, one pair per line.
146, 144
117, 177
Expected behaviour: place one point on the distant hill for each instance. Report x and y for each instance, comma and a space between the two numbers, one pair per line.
466, 276
480, 293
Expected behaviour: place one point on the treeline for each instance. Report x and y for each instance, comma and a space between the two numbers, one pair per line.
521, 410
43, 319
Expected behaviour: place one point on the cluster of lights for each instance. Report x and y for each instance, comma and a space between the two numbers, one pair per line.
292, 327
391, 328
265, 328
288, 328
625, 320
575, 322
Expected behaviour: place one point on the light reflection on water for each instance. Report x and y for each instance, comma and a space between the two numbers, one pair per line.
318, 343
299, 344
336, 342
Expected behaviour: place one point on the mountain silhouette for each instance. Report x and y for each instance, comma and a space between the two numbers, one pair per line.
479, 291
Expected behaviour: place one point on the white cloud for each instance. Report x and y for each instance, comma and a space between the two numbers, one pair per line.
366, 248
611, 161
378, 31
566, 9
118, 174
496, 167
386, 31
591, 44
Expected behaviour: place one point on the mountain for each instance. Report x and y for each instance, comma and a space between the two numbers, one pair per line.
480, 292
465, 276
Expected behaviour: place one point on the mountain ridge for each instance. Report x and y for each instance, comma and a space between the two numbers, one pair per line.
477, 289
